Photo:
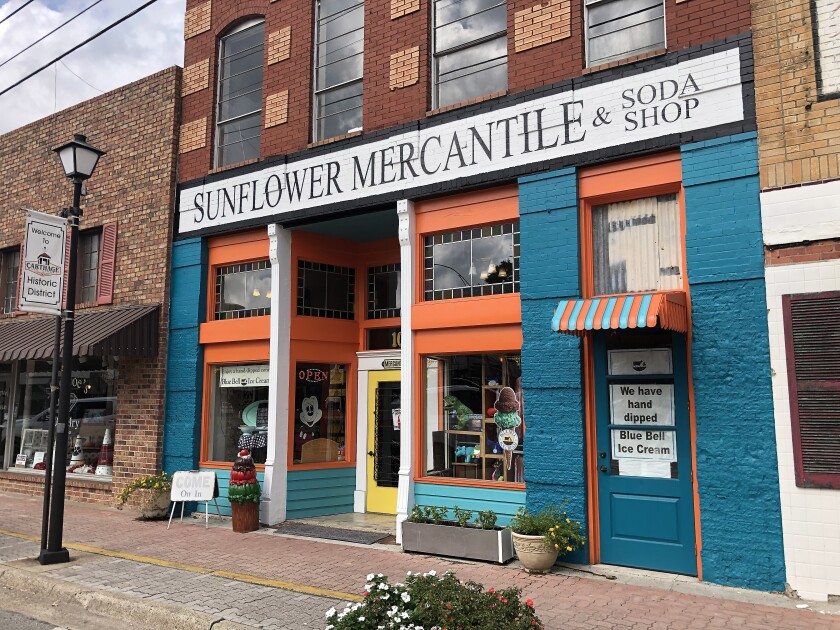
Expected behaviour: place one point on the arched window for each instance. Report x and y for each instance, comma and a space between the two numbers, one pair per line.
239, 94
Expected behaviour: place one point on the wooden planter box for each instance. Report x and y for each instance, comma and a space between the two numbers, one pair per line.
489, 545
246, 517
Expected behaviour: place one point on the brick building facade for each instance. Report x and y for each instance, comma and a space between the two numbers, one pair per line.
797, 61
368, 261
125, 244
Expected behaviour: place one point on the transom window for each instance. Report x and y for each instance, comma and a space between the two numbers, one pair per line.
239, 99
384, 291
470, 49
468, 263
326, 290
620, 28
637, 245
9, 270
339, 56
243, 290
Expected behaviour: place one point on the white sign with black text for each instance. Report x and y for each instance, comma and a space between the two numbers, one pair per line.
243, 376
42, 267
192, 486
695, 94
643, 408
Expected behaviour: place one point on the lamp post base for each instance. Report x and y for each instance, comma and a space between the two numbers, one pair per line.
54, 557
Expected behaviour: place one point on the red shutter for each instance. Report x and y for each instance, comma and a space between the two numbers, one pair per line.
66, 268
20, 277
812, 346
107, 262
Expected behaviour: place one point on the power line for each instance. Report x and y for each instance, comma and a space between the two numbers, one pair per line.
80, 78
60, 26
77, 46
23, 6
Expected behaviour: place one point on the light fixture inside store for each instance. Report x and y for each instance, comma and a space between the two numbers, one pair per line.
256, 293
268, 295
502, 273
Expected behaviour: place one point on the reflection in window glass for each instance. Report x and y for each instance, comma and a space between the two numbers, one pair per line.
474, 417
239, 106
637, 245
320, 415
326, 290
238, 412
340, 37
620, 28
470, 49
243, 290
468, 263
9, 270
384, 291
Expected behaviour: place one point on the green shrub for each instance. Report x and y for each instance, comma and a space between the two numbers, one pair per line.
486, 519
553, 524
462, 516
427, 602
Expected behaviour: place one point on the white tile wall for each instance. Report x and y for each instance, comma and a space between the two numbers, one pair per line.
804, 213
810, 516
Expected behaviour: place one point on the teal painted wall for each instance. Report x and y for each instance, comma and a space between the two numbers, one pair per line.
320, 492
503, 502
223, 477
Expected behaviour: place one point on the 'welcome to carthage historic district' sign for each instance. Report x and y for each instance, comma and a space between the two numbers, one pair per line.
694, 94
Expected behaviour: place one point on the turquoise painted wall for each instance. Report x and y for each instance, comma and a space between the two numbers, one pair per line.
223, 477
320, 492
184, 365
737, 469
503, 502
551, 363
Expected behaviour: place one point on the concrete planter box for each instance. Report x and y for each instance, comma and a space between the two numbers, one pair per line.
489, 545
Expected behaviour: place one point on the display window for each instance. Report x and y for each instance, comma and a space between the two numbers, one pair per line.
320, 416
243, 290
238, 412
473, 417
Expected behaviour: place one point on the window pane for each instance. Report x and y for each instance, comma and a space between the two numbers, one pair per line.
243, 290
384, 291
320, 415
459, 23
339, 110
238, 412
325, 290
636, 245
239, 140
452, 265
472, 72
10, 267
473, 417
88, 266
619, 28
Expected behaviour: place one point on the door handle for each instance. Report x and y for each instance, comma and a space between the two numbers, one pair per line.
370, 453
603, 469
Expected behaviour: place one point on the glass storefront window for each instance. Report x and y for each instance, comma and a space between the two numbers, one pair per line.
243, 290
238, 412
384, 291
325, 290
92, 424
320, 415
474, 417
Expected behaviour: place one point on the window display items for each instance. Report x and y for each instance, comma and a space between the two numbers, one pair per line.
244, 494
320, 422
238, 412
507, 419
105, 465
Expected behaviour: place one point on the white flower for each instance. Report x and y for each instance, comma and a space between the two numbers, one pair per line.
406, 597
385, 596
432, 573
361, 618
383, 586
368, 587
405, 615
380, 575
371, 576
329, 613
408, 572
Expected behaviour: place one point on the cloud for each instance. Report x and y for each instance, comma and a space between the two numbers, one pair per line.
146, 43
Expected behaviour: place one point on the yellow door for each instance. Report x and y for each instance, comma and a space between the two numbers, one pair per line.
383, 461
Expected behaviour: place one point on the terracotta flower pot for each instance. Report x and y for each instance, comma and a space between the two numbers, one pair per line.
246, 516
536, 555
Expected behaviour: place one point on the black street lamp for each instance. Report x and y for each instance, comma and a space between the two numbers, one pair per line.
78, 159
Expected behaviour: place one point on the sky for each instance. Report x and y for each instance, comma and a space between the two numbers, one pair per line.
150, 41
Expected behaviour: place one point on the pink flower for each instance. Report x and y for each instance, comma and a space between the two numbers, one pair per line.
530, 604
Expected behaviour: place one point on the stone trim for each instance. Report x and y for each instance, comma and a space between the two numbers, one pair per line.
279, 45
193, 135
197, 19
542, 24
196, 77
405, 68
276, 109
400, 8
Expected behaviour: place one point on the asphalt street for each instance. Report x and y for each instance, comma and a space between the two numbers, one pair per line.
13, 621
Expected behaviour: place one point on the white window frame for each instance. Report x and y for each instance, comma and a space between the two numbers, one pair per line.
218, 122
589, 3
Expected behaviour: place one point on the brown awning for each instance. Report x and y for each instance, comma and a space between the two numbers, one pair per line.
124, 331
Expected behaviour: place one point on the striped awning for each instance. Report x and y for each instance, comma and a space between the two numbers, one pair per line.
613, 312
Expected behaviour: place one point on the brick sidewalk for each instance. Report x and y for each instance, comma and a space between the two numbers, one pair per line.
562, 601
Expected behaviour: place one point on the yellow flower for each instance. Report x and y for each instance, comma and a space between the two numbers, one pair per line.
557, 546
551, 529
568, 548
568, 521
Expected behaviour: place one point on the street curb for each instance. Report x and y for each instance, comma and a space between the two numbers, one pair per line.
132, 610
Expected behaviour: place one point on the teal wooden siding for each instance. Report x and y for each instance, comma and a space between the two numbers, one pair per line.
224, 479
320, 492
503, 502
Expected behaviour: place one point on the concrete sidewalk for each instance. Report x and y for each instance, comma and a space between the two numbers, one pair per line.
190, 566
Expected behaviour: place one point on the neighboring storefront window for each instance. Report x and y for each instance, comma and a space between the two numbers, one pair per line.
637, 245
9, 271
384, 291
325, 290
92, 425
243, 290
320, 415
238, 412
88, 266
474, 417
473, 262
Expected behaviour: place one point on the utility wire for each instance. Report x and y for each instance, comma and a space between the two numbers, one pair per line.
23, 6
80, 78
77, 46
60, 26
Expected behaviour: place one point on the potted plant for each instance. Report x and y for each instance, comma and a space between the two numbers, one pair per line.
428, 530
244, 494
148, 494
539, 537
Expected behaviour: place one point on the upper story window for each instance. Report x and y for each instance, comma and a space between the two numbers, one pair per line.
384, 291
637, 245
339, 57
9, 271
239, 95
87, 266
243, 290
472, 262
620, 28
470, 49
326, 290
826, 19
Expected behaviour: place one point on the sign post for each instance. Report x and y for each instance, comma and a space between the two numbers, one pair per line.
194, 485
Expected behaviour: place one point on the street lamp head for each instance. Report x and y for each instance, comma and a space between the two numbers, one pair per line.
78, 158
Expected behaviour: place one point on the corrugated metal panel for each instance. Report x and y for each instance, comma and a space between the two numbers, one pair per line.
611, 312
127, 331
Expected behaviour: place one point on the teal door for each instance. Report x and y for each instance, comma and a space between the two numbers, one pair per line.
645, 500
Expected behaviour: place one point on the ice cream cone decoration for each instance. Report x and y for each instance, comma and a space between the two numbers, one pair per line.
106, 456
507, 420
78, 458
